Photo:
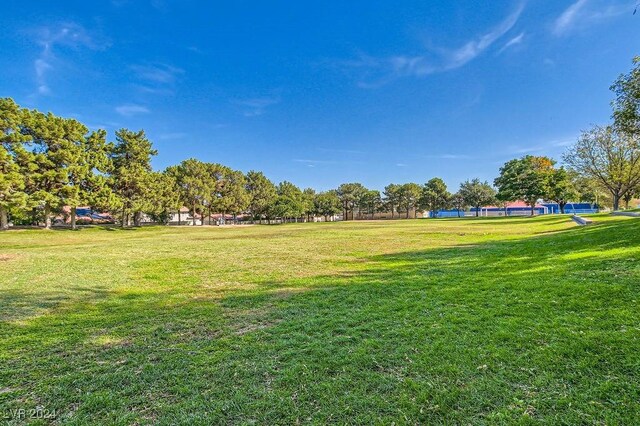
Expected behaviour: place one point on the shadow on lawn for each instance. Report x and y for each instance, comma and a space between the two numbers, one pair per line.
543, 327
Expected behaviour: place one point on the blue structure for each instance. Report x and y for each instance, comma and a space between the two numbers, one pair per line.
572, 208
520, 210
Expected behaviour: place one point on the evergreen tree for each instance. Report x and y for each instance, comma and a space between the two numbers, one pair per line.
131, 174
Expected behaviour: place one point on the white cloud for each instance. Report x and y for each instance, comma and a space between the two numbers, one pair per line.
254, 107
567, 19
175, 135
129, 110
159, 73
378, 71
449, 156
473, 48
585, 13
53, 37
512, 42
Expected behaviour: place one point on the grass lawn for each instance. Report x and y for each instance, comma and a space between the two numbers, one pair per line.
448, 321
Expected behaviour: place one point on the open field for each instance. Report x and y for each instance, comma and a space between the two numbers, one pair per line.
423, 321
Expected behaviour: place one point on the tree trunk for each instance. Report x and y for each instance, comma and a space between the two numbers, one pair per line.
616, 202
458, 211
477, 211
4, 221
73, 218
533, 210
47, 216
562, 207
124, 217
179, 217
193, 214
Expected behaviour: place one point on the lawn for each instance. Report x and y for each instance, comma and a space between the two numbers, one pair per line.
453, 321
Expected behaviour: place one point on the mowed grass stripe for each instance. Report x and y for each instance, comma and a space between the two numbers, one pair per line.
422, 321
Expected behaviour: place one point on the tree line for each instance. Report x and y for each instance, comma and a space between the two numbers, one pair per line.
49, 162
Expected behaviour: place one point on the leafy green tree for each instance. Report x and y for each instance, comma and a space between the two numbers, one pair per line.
409, 197
290, 202
234, 196
630, 195
458, 202
327, 204
526, 179
626, 106
88, 183
194, 185
131, 173
561, 189
608, 157
262, 194
477, 194
308, 196
59, 154
392, 197
350, 194
370, 202
12, 181
435, 196
163, 197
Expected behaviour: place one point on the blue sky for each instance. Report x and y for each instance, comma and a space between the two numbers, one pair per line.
325, 92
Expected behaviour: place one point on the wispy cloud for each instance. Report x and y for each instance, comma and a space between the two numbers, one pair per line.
548, 147
512, 42
171, 136
254, 107
157, 73
53, 38
584, 13
568, 18
376, 71
156, 79
450, 156
342, 151
130, 110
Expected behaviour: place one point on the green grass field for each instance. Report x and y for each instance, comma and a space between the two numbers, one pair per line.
470, 321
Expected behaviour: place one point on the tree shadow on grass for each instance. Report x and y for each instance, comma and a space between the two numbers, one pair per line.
542, 328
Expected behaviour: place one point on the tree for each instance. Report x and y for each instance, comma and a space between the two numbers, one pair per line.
435, 196
327, 204
163, 196
477, 194
233, 193
289, 203
308, 196
526, 179
350, 194
59, 155
608, 157
131, 159
458, 202
392, 197
408, 198
561, 189
88, 181
262, 194
630, 195
12, 182
626, 106
370, 202
194, 184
